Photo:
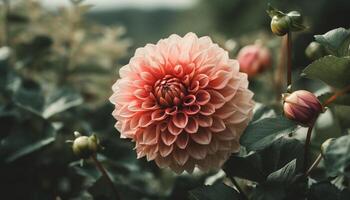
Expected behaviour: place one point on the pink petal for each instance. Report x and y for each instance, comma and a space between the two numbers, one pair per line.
165, 150
217, 99
197, 151
150, 136
192, 125
174, 129
192, 110
180, 120
204, 121
158, 115
145, 119
168, 138
220, 79
189, 100
182, 140
207, 109
180, 156
218, 125
202, 97
202, 137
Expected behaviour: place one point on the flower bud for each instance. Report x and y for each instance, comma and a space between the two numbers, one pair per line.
302, 106
295, 16
280, 25
253, 59
314, 51
84, 146
325, 145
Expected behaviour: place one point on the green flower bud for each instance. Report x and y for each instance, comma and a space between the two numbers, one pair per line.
84, 146
314, 51
280, 25
325, 145
295, 16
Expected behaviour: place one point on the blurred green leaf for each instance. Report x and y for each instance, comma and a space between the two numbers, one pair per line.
29, 97
31, 134
32, 99
336, 41
30, 148
337, 156
262, 133
214, 192
331, 70
60, 101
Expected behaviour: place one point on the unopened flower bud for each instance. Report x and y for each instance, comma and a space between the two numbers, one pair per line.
325, 145
302, 106
315, 51
84, 146
280, 25
295, 16
253, 59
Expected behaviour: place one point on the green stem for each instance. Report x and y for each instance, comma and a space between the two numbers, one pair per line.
289, 60
106, 176
336, 95
315, 164
307, 147
6, 27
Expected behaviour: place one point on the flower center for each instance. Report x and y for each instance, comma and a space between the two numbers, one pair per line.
169, 91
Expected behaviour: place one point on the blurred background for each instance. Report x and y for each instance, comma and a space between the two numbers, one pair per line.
59, 59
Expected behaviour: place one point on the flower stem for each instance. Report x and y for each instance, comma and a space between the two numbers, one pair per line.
6, 24
289, 59
316, 162
235, 183
307, 147
106, 176
336, 95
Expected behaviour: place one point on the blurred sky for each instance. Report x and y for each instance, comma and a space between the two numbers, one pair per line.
121, 4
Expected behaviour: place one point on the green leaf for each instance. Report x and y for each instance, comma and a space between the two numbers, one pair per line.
285, 174
247, 167
257, 166
214, 192
32, 99
336, 41
323, 191
331, 70
337, 156
30, 148
60, 101
262, 133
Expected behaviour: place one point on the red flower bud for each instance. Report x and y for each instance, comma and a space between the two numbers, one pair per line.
302, 106
253, 59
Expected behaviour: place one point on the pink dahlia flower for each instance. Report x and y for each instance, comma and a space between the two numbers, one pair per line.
254, 59
183, 102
